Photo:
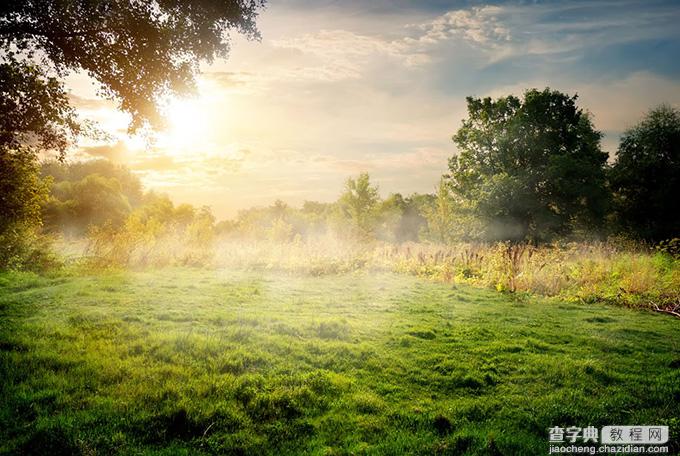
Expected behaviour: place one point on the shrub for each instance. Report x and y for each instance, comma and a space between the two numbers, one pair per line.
154, 235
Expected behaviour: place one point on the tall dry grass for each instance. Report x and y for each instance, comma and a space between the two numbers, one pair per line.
597, 271
623, 274
587, 272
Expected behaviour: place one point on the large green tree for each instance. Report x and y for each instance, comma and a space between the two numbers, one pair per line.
34, 115
646, 176
530, 168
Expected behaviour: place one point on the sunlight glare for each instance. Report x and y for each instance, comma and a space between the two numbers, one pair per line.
187, 124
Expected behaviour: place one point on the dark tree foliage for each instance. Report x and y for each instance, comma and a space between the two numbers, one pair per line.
18, 171
35, 109
531, 168
22, 194
646, 176
138, 50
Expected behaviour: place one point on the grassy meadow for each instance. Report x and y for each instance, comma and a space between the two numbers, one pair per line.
226, 361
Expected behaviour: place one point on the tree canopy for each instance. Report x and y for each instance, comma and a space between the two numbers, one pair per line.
645, 178
530, 168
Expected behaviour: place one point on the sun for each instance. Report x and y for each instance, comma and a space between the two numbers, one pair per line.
188, 124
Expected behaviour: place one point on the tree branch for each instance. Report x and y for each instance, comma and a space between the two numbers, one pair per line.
28, 29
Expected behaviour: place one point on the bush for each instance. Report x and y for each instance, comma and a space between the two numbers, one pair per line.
155, 235
24, 248
22, 192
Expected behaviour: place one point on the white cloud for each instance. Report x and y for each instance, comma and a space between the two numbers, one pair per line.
337, 54
342, 54
479, 25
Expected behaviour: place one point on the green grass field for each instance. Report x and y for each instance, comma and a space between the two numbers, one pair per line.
188, 361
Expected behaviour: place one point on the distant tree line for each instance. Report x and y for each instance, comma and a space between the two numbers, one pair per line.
528, 169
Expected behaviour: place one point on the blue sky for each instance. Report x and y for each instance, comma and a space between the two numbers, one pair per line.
339, 87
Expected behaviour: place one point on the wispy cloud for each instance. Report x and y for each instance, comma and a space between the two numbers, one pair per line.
228, 79
482, 26
342, 54
116, 152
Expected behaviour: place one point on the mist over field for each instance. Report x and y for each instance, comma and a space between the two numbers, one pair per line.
339, 228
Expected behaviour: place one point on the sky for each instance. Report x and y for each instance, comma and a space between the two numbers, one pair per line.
336, 88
